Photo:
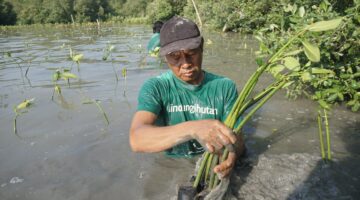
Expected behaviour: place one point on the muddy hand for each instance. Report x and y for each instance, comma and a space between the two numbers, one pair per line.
223, 169
213, 135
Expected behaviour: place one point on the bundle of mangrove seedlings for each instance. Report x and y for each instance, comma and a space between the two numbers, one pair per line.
284, 64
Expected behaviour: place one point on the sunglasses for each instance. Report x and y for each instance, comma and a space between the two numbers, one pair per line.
175, 58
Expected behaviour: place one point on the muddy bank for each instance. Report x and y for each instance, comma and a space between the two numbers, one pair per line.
294, 176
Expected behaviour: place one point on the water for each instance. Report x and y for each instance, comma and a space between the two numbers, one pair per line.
65, 149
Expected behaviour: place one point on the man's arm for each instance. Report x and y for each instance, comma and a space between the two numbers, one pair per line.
147, 137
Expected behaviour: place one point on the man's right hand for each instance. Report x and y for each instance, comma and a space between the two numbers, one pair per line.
212, 134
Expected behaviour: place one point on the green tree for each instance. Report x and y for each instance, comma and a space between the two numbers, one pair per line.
134, 8
60, 11
117, 5
159, 10
7, 14
91, 10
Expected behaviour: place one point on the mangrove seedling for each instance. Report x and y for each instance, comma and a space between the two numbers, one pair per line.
246, 106
323, 121
98, 105
108, 53
20, 109
124, 75
75, 58
58, 75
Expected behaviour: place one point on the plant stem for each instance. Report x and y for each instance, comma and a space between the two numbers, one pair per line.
259, 105
212, 174
197, 13
327, 136
282, 49
15, 128
208, 165
201, 169
112, 64
321, 136
245, 92
255, 99
103, 112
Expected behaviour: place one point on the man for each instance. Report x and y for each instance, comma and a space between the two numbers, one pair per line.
153, 45
183, 108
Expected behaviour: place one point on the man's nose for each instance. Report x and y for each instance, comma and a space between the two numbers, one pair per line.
185, 61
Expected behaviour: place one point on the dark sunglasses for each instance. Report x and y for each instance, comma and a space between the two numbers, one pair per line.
174, 58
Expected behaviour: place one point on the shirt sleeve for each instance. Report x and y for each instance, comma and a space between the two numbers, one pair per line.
149, 98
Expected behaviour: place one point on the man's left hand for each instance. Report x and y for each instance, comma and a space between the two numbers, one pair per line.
223, 169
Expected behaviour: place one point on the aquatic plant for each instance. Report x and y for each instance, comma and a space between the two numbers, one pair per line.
98, 105
124, 72
18, 61
58, 75
20, 109
124, 75
108, 53
287, 70
323, 120
75, 58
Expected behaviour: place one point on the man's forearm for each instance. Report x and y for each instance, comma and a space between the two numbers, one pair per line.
151, 138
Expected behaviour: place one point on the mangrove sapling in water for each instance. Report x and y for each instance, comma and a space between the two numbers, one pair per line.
108, 53
58, 75
75, 58
124, 75
98, 105
323, 121
20, 109
18, 61
283, 57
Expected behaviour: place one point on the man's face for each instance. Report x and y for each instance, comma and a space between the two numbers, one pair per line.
186, 65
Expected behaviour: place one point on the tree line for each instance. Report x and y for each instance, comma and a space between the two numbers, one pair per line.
233, 15
14, 12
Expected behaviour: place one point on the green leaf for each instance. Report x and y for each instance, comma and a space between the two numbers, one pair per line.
259, 38
291, 63
287, 84
106, 55
111, 48
312, 52
8, 54
259, 61
26, 103
87, 101
355, 107
341, 96
78, 57
324, 25
275, 70
124, 72
56, 75
316, 70
293, 53
351, 103
323, 104
67, 75
301, 11
57, 89
332, 97
263, 47
306, 76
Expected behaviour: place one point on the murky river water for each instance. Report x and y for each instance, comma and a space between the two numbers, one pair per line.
65, 149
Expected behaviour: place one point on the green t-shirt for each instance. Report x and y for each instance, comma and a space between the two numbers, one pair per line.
175, 101
154, 42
